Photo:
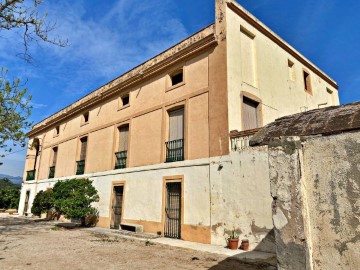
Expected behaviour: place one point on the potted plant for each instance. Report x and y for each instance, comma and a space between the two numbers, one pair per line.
233, 240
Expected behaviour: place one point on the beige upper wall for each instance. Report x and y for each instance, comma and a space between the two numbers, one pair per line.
268, 77
146, 116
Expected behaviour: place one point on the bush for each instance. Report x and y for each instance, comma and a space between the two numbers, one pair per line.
9, 194
73, 198
43, 202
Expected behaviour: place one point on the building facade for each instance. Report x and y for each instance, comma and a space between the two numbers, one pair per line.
165, 143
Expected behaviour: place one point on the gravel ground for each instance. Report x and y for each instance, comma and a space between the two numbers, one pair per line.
25, 244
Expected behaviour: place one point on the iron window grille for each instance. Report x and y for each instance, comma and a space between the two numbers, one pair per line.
30, 175
80, 167
120, 161
175, 150
52, 172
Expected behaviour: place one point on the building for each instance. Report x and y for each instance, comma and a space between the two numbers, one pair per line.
165, 143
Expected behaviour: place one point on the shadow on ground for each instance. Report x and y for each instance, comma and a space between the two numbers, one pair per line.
251, 260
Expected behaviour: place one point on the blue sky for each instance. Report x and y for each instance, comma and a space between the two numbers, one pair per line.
107, 38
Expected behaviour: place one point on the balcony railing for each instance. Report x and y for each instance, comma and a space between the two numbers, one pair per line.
80, 167
120, 161
30, 175
240, 139
174, 150
51, 172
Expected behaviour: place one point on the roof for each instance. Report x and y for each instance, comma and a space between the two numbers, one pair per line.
326, 121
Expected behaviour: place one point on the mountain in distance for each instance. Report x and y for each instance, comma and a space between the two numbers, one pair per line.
14, 179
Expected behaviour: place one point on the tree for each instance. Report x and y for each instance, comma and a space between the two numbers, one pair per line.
25, 16
73, 198
9, 194
14, 112
43, 202
15, 107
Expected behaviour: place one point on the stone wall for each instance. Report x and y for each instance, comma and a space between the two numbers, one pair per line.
315, 185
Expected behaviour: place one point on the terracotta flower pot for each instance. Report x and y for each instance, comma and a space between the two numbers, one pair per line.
244, 244
233, 243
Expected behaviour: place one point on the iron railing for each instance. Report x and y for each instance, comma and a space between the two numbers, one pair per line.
30, 175
80, 167
174, 150
241, 139
120, 161
52, 172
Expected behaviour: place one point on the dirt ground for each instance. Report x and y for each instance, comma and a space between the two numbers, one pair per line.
26, 244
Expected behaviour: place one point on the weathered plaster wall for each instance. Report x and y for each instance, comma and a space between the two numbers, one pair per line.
316, 190
332, 173
279, 94
240, 198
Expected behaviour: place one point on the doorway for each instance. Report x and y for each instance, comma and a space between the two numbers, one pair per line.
117, 206
26, 205
173, 210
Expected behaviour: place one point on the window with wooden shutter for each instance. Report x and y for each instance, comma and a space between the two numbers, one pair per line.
83, 148
55, 151
176, 125
123, 138
250, 114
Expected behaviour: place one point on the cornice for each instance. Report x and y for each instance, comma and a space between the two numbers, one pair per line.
200, 41
252, 20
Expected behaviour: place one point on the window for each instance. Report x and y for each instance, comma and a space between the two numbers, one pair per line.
57, 130
85, 118
250, 114
53, 164
332, 99
175, 144
247, 52
81, 162
177, 77
125, 100
291, 68
121, 154
55, 151
307, 82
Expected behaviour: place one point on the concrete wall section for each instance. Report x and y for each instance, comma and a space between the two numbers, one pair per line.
332, 173
316, 190
240, 198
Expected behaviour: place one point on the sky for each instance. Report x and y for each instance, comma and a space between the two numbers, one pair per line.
107, 38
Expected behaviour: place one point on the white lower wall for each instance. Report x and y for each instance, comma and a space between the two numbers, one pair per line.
222, 193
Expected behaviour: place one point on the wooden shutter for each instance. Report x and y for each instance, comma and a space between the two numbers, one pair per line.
83, 148
250, 115
176, 125
123, 138
55, 150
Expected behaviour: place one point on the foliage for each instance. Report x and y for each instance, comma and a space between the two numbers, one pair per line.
73, 198
20, 15
14, 111
9, 194
32, 27
43, 202
233, 234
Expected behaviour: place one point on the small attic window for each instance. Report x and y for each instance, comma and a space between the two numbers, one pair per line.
177, 77
86, 117
125, 100
307, 82
57, 130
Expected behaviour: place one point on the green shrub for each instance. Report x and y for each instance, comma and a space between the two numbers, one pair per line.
43, 202
9, 197
73, 198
